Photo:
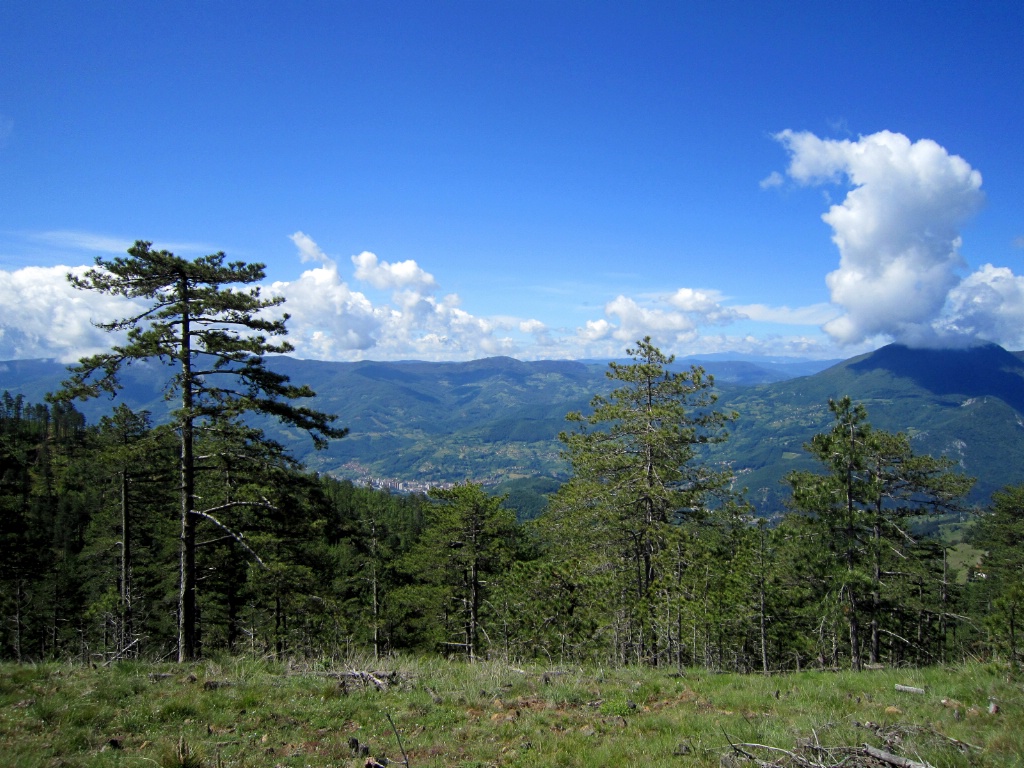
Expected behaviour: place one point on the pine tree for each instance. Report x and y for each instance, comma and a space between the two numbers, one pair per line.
635, 474
469, 539
859, 507
131, 467
1000, 588
45, 498
196, 318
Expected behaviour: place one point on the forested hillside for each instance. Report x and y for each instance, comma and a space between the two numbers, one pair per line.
195, 528
496, 420
655, 560
965, 404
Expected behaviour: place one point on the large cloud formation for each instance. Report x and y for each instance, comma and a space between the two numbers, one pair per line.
674, 319
375, 310
387, 310
44, 316
900, 276
332, 321
897, 231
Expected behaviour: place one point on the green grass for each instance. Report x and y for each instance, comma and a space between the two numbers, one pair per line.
228, 713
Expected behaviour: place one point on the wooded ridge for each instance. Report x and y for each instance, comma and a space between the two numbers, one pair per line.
646, 554
199, 526
498, 419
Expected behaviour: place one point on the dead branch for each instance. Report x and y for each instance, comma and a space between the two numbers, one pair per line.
909, 689
405, 757
236, 536
380, 680
891, 759
121, 654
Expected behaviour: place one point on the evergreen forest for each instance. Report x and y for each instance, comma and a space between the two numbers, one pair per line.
197, 535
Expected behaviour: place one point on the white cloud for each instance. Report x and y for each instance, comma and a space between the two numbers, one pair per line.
897, 230
44, 316
636, 321
71, 241
595, 330
704, 307
533, 326
382, 275
332, 321
773, 179
308, 249
671, 320
815, 314
988, 304
328, 320
84, 241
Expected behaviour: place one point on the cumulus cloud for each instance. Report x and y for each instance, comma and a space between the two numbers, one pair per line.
988, 304
382, 275
394, 310
897, 230
636, 320
332, 320
532, 326
45, 316
328, 319
703, 306
596, 330
674, 320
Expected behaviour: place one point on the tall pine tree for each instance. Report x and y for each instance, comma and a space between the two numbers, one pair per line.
197, 317
859, 508
636, 472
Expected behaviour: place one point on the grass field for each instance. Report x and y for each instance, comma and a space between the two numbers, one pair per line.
237, 712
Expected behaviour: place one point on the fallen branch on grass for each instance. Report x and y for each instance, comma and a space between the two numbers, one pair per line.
892, 735
909, 689
891, 759
808, 754
370, 677
405, 757
382, 681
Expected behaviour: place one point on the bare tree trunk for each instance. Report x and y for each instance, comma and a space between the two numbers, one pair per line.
187, 592
374, 585
761, 603
764, 631
876, 588
127, 629
855, 659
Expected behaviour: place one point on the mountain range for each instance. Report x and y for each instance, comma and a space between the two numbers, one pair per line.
497, 419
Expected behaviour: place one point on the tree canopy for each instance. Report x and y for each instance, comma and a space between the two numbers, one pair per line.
196, 316
635, 472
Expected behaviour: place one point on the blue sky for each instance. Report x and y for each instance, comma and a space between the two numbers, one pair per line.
452, 180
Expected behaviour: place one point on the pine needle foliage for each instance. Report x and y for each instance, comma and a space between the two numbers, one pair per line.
635, 476
197, 317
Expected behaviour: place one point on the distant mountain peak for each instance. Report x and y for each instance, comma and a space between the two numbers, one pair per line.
976, 371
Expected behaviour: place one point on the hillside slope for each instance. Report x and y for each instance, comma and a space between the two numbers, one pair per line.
967, 404
499, 418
